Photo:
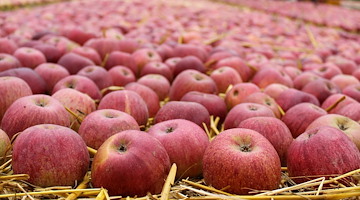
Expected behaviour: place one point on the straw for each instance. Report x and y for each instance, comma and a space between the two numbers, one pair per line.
169, 181
82, 185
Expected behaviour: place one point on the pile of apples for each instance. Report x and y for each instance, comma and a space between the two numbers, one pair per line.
226, 94
321, 14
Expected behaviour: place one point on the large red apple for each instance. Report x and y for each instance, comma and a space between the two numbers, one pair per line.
139, 160
185, 142
102, 124
274, 130
32, 110
242, 159
11, 89
52, 155
321, 151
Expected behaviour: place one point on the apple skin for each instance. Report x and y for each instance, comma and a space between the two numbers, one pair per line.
353, 91
121, 75
157, 68
237, 63
4, 144
239, 92
272, 129
304, 78
183, 50
241, 158
78, 35
346, 66
300, 116
185, 142
158, 83
171, 62
51, 53
189, 62
291, 97
144, 56
244, 111
135, 158
150, 97
326, 70
74, 62
351, 111
51, 73
8, 61
78, 102
32, 110
321, 151
275, 89
33, 79
191, 111
7, 46
11, 89
98, 74
191, 80
126, 101
104, 46
264, 99
52, 155
102, 124
225, 76
348, 126
29, 57
344, 80
121, 58
208, 101
80, 83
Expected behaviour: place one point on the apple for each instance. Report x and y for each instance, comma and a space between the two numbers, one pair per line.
321, 89
4, 144
51, 73
321, 151
326, 70
32, 110
81, 83
126, 101
78, 35
334, 100
11, 89
348, 126
347, 66
268, 75
292, 72
7, 45
237, 157
104, 46
183, 50
189, 62
208, 101
300, 116
51, 155
225, 76
148, 95
102, 124
304, 78
237, 63
191, 80
291, 97
353, 91
274, 130
74, 62
157, 68
156, 82
135, 158
121, 75
29, 57
51, 53
171, 62
8, 61
264, 99
185, 142
33, 79
239, 92
77, 102
344, 80
191, 111
144, 56
244, 111
89, 53
121, 58
98, 74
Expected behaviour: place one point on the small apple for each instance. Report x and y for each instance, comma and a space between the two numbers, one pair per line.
158, 83
8, 61
225, 76
29, 57
121, 75
239, 92
51, 73
98, 74
74, 62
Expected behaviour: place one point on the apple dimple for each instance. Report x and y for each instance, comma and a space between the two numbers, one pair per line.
169, 129
252, 107
122, 148
236, 92
312, 132
245, 148
198, 77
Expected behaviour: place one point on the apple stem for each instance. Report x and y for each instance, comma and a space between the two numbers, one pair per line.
78, 118
106, 58
111, 88
282, 112
331, 107
91, 150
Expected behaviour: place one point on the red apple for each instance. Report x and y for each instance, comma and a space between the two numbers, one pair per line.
225, 76
52, 155
126, 101
121, 75
7, 46
144, 56
74, 62
8, 61
156, 82
135, 158
51, 73
275, 89
32, 110
321, 151
189, 62
191, 80
29, 57
157, 68
264, 99
304, 78
89, 53
353, 91
99, 75
121, 58
102, 124
238, 64
268, 75
274, 130
351, 111
51, 53
237, 157
185, 142
344, 80
291, 97
183, 50
239, 92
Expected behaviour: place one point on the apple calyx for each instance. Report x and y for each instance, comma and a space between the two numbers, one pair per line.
245, 148
122, 148
169, 130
